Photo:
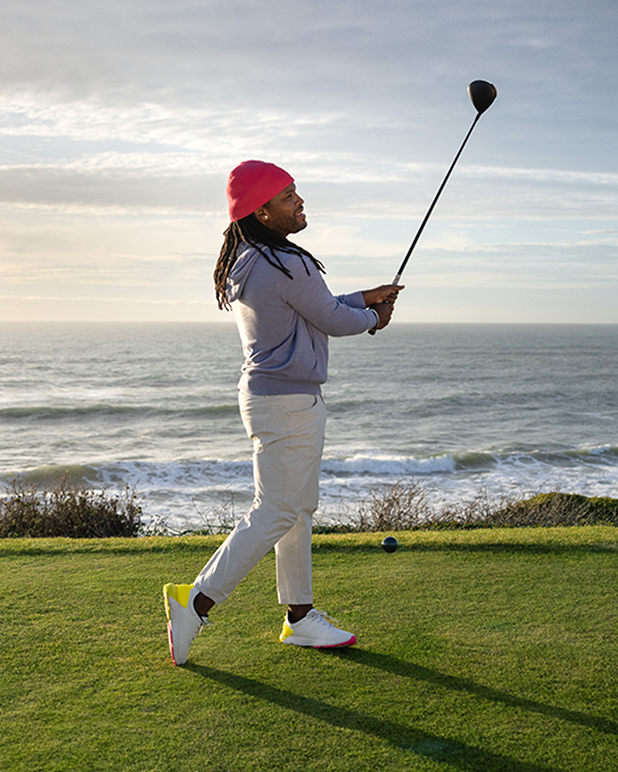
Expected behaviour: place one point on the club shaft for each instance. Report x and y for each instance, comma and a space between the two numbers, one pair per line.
402, 267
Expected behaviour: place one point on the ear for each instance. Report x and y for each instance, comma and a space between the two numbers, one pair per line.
261, 214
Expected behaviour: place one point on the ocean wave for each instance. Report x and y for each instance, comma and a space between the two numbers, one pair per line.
190, 474
172, 473
62, 412
49, 474
186, 489
382, 464
181, 472
605, 455
467, 461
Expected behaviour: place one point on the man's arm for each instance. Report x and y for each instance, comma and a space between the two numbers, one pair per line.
334, 315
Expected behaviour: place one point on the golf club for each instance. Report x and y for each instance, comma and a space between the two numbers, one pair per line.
482, 95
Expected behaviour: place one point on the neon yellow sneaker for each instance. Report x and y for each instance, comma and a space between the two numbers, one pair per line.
316, 631
183, 621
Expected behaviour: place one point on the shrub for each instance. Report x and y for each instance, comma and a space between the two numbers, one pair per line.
404, 507
220, 520
401, 508
67, 510
552, 509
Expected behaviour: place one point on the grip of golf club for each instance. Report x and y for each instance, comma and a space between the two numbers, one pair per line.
395, 281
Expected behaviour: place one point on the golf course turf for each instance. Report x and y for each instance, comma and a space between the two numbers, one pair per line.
483, 650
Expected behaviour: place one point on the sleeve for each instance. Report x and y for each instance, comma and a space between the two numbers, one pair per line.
355, 299
309, 296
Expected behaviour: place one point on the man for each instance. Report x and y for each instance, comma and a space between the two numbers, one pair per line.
285, 313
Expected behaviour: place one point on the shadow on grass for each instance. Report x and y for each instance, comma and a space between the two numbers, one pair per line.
408, 738
205, 545
419, 673
202, 546
489, 547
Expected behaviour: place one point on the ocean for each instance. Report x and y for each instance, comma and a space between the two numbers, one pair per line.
464, 410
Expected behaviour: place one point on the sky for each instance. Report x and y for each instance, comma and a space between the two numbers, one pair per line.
120, 122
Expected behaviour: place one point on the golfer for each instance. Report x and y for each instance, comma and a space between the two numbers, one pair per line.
285, 313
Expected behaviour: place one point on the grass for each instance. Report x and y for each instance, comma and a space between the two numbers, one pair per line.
480, 650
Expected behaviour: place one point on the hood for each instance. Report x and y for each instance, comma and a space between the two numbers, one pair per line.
241, 269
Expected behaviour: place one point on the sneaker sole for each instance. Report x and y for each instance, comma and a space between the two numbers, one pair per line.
170, 635
310, 645
166, 601
170, 638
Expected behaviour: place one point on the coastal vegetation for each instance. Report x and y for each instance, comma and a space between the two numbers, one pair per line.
69, 510
404, 507
76, 511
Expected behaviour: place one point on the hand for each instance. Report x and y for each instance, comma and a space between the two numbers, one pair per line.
384, 311
387, 293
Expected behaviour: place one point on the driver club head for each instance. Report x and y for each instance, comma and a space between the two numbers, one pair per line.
482, 94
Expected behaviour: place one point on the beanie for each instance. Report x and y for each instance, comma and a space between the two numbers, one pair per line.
251, 184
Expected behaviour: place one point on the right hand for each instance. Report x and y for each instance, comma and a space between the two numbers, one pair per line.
386, 293
384, 311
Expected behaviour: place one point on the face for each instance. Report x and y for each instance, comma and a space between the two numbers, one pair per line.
283, 213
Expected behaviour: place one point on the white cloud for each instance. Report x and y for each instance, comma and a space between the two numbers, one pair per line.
120, 121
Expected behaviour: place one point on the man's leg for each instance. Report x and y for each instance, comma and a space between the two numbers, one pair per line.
288, 435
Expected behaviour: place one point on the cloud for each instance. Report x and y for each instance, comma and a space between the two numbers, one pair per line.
120, 121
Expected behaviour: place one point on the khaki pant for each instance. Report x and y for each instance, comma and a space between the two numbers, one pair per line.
288, 437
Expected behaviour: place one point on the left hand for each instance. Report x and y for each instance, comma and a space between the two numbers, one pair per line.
386, 293
384, 312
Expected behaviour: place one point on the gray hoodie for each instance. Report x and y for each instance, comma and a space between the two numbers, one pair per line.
284, 323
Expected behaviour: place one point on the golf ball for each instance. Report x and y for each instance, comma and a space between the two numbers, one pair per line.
389, 544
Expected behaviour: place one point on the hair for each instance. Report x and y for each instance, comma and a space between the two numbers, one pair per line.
251, 231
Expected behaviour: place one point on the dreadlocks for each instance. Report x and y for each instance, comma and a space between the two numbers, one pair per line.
251, 231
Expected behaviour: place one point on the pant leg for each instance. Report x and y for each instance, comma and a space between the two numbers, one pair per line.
293, 551
288, 435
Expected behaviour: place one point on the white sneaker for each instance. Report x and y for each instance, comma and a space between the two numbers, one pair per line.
184, 623
316, 631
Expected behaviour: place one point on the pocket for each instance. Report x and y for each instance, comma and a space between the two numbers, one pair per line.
301, 403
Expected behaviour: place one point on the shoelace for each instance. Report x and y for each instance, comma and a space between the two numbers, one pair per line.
324, 617
205, 623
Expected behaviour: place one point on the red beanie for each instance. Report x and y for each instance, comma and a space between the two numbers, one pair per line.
251, 184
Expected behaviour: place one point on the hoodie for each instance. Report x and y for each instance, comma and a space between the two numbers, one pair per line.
284, 323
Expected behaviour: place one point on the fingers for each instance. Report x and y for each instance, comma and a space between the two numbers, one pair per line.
387, 293
392, 291
388, 315
385, 312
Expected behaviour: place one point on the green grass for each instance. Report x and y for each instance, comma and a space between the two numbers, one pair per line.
483, 650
